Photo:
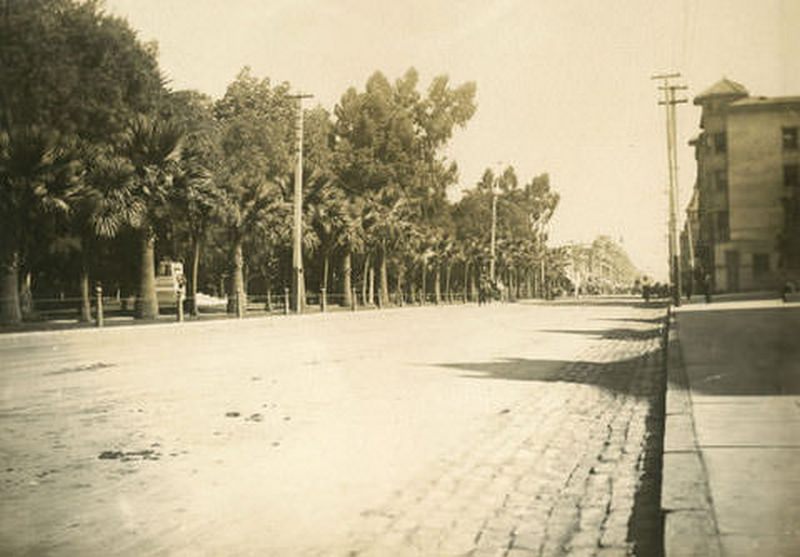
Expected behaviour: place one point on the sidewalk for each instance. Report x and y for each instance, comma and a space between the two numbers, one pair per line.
731, 476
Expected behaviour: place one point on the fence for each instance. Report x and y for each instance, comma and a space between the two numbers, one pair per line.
104, 309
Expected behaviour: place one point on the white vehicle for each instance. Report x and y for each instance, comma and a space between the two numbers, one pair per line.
169, 281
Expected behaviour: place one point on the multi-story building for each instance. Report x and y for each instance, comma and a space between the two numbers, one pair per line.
746, 192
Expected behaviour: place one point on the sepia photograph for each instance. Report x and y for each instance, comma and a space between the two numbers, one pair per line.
384, 278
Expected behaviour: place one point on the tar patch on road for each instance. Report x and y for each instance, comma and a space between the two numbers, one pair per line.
96, 366
128, 456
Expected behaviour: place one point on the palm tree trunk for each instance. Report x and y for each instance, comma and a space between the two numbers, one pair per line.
400, 273
467, 277
26, 296
412, 286
364, 279
473, 286
237, 304
384, 277
424, 285
437, 284
195, 270
325, 264
10, 312
371, 284
529, 282
448, 296
86, 304
268, 285
513, 290
347, 279
147, 302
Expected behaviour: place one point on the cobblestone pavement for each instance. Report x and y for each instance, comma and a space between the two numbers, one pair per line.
556, 474
508, 430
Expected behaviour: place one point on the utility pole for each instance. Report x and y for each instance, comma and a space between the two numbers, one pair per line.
669, 103
298, 280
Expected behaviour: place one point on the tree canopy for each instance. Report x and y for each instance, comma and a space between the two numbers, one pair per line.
98, 156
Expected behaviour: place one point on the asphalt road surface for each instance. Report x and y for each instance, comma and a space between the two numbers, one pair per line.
514, 430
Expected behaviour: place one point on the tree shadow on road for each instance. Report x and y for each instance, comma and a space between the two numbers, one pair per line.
612, 334
630, 302
616, 376
644, 320
642, 377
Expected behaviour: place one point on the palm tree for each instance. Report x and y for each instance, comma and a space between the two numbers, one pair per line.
248, 200
105, 204
351, 240
38, 178
388, 223
153, 148
196, 198
328, 220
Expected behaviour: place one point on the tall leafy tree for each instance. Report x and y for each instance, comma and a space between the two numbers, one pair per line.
326, 204
67, 65
196, 195
68, 74
389, 152
257, 121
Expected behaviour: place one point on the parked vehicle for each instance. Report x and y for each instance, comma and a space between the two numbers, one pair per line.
169, 281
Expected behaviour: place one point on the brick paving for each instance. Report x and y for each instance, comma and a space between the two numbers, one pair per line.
554, 475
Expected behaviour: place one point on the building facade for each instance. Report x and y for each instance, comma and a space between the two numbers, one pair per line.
746, 191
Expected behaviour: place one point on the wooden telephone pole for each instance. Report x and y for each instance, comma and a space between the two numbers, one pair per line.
669, 101
298, 280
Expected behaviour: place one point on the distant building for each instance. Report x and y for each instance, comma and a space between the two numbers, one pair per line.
744, 208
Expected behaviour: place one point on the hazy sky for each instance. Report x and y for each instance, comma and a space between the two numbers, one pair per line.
563, 86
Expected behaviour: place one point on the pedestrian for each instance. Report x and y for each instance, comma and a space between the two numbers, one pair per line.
788, 289
689, 286
707, 287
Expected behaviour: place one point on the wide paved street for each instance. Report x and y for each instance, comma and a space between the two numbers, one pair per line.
512, 430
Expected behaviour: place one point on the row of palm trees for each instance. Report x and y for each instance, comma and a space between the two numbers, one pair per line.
154, 185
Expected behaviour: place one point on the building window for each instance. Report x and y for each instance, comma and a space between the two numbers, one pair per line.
790, 138
791, 219
791, 176
760, 264
723, 230
721, 180
720, 142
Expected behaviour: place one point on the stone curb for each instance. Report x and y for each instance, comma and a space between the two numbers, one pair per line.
690, 527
